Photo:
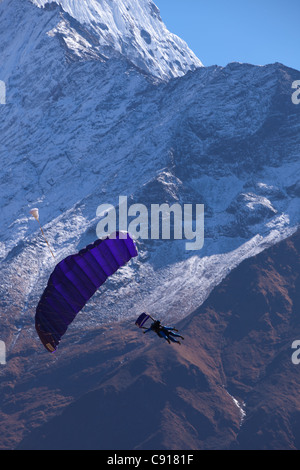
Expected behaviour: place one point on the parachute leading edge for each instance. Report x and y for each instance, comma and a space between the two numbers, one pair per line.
74, 281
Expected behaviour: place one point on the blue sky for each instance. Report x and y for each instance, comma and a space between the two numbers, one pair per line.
221, 31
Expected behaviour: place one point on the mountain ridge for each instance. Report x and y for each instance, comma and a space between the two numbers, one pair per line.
130, 28
81, 128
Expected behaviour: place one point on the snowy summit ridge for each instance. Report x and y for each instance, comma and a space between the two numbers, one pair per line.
132, 28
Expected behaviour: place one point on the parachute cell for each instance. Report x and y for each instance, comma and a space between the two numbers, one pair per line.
74, 281
35, 213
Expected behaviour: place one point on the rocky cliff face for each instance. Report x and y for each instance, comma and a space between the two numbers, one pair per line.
78, 130
135, 30
90, 117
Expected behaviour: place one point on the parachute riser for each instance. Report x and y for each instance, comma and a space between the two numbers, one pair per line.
35, 214
46, 239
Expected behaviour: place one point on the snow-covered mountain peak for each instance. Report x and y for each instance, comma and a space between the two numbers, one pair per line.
81, 132
132, 28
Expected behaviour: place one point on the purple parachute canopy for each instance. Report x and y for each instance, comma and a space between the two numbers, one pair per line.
142, 320
74, 281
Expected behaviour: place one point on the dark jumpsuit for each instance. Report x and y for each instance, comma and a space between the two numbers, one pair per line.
166, 332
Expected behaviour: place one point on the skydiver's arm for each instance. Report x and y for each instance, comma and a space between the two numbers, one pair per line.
147, 329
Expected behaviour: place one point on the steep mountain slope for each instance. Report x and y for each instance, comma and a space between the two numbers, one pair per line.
79, 130
124, 27
232, 384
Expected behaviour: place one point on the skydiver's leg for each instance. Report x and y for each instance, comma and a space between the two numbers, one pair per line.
167, 335
174, 340
171, 333
162, 334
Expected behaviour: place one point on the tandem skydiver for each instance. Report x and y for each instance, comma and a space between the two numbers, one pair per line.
166, 332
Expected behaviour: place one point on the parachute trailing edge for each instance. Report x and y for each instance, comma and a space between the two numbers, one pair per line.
75, 280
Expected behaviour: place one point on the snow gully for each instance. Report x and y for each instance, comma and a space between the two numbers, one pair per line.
187, 221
